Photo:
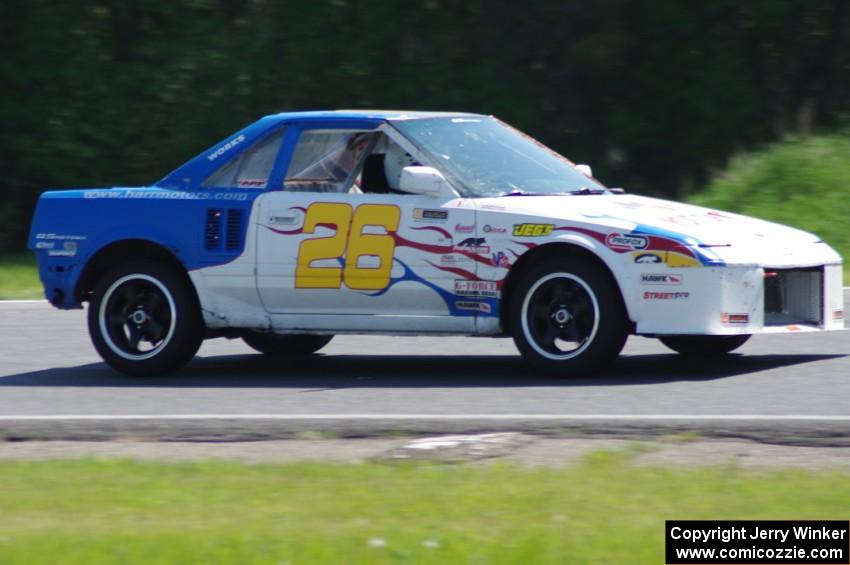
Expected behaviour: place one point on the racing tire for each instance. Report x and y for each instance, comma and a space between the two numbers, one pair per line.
144, 319
286, 345
568, 317
704, 345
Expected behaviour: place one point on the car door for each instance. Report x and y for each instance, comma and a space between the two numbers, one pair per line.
332, 256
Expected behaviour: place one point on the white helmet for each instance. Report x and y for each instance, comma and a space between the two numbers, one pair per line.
396, 159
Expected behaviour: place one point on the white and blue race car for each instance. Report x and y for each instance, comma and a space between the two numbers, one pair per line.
305, 225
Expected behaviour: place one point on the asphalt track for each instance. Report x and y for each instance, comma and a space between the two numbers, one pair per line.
779, 388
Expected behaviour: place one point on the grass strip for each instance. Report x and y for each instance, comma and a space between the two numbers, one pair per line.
19, 277
802, 182
604, 510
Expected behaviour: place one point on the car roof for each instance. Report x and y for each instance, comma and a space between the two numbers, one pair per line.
191, 173
371, 114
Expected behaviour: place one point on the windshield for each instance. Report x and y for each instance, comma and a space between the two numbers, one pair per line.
489, 158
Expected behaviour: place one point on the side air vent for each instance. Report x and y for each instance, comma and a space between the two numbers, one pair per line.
233, 235
212, 233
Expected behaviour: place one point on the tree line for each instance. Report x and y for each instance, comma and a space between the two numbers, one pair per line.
655, 95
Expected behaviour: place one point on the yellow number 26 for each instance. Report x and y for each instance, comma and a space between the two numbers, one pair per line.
350, 241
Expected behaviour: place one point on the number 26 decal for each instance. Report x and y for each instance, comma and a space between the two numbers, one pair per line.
348, 241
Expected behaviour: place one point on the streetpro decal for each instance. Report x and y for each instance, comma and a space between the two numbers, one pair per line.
532, 230
665, 295
657, 278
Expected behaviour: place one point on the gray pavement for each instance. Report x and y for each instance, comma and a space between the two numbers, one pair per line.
784, 388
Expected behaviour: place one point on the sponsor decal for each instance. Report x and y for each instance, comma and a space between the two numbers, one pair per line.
648, 258
454, 259
163, 195
622, 242
657, 278
251, 183
532, 230
426, 215
666, 295
471, 305
473, 245
459, 228
283, 220
59, 236
489, 289
500, 259
69, 245
494, 229
225, 148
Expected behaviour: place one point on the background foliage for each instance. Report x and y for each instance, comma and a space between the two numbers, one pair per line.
655, 95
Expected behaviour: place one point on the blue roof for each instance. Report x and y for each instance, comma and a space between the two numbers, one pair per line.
191, 173
365, 114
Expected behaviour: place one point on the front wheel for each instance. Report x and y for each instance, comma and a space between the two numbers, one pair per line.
567, 317
704, 344
144, 319
286, 345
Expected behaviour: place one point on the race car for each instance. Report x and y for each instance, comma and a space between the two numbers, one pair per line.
310, 224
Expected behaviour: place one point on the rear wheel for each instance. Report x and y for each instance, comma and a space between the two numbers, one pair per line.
704, 344
286, 345
144, 319
568, 317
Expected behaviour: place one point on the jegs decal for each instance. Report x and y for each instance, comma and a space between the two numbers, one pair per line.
533, 230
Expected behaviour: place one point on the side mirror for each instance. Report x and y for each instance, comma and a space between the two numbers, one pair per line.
422, 180
585, 169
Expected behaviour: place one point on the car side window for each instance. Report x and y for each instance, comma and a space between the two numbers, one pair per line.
327, 160
251, 169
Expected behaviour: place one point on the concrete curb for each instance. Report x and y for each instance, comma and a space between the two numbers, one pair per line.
803, 431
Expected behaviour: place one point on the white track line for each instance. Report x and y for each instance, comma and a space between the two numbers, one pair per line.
492, 417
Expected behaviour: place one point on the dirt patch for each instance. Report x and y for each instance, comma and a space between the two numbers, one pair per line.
535, 451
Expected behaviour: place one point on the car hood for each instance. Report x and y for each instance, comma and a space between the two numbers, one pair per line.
732, 236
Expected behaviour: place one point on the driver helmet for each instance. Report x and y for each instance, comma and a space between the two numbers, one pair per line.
396, 159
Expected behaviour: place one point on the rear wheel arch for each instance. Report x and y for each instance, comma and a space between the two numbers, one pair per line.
124, 251
558, 251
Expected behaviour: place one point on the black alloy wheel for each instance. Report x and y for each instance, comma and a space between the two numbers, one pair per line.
144, 319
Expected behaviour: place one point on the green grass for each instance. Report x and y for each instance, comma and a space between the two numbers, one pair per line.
802, 182
602, 511
19, 277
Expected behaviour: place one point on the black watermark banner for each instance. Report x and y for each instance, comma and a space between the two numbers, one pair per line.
758, 542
